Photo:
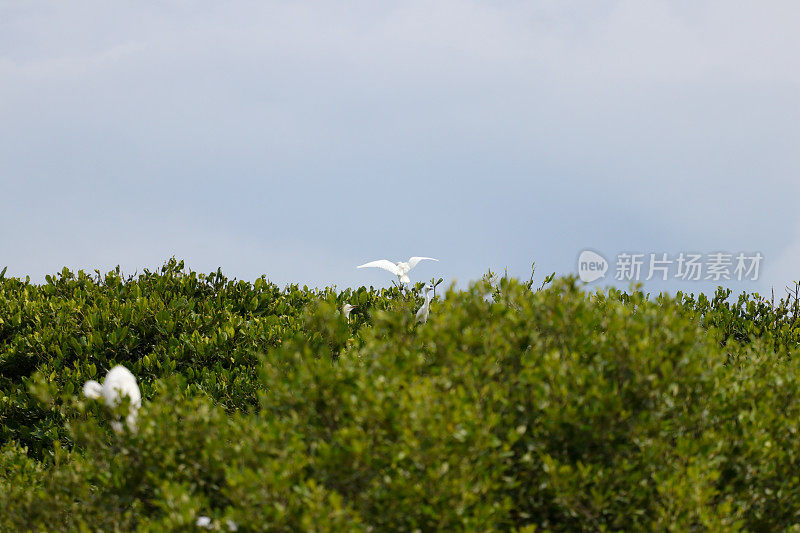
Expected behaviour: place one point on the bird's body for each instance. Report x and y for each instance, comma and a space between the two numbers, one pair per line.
422, 314
400, 269
119, 382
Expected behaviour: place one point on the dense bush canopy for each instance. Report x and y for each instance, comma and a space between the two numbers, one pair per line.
512, 408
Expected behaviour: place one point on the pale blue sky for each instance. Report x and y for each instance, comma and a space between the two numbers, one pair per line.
300, 140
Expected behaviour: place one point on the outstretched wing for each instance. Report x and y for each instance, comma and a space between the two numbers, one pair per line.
384, 264
414, 260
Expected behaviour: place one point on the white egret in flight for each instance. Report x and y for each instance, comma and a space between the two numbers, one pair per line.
400, 269
422, 314
119, 382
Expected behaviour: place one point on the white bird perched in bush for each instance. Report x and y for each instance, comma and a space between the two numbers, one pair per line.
346, 308
400, 269
422, 314
119, 382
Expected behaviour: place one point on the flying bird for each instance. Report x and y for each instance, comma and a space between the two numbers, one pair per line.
422, 314
119, 382
400, 269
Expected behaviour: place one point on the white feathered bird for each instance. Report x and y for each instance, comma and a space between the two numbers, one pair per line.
346, 309
422, 314
119, 382
400, 269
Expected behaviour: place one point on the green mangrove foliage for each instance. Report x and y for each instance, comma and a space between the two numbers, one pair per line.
513, 408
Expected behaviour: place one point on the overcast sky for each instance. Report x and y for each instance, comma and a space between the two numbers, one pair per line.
298, 140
